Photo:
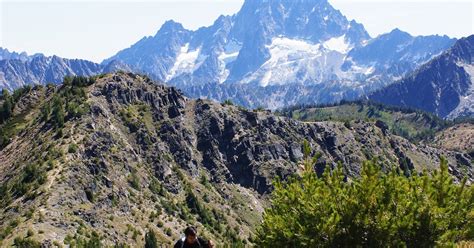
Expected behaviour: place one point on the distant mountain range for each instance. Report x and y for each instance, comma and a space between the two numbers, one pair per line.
278, 43
307, 51
6, 54
444, 86
270, 54
22, 69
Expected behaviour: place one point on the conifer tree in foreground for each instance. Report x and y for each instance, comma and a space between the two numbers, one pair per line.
376, 209
150, 240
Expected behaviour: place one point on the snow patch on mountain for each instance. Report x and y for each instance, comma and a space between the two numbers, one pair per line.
296, 60
282, 45
187, 61
338, 44
230, 54
300, 61
466, 101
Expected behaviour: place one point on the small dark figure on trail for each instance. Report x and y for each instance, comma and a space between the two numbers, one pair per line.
191, 240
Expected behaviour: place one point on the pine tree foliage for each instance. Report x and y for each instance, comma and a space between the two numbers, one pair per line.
377, 209
58, 111
6, 108
150, 240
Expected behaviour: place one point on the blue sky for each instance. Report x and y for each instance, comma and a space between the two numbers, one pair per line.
95, 30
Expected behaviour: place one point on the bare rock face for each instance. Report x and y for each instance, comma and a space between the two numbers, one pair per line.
140, 153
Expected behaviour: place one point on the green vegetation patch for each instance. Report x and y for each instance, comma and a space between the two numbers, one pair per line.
137, 115
69, 102
412, 124
11, 124
30, 178
376, 210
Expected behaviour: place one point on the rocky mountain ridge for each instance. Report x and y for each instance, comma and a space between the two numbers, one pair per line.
6, 54
16, 72
133, 155
444, 86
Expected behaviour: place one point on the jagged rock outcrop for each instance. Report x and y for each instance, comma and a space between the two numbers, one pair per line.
6, 54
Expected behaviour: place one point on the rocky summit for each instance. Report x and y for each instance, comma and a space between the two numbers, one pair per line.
116, 155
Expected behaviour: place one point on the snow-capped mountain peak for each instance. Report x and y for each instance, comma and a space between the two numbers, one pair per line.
281, 42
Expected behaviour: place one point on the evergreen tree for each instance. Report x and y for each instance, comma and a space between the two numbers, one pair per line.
150, 240
3, 139
45, 111
67, 80
58, 112
377, 209
6, 109
26, 243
